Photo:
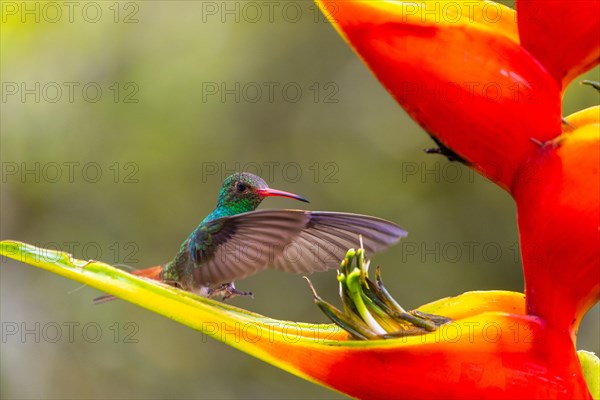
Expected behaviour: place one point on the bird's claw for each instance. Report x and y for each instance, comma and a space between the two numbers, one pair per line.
227, 291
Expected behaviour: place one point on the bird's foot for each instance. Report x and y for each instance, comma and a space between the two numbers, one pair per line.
227, 291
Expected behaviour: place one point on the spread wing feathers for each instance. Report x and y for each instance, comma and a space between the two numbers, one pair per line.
323, 243
290, 240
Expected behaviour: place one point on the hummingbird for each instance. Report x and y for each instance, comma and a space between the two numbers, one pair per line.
235, 240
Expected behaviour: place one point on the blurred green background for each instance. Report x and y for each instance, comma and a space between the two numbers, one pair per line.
191, 91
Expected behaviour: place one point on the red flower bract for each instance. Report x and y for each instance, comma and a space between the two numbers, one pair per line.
476, 90
557, 204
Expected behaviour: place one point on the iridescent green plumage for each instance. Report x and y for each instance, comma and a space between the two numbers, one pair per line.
240, 193
233, 201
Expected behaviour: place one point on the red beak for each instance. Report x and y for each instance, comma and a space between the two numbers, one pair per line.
267, 192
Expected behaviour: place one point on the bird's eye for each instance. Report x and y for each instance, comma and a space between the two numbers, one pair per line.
240, 187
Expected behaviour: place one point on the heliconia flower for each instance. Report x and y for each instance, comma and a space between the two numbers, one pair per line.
486, 82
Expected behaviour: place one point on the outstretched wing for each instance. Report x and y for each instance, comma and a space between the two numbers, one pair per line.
290, 240
324, 240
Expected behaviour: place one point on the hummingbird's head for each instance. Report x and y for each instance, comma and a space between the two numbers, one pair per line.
243, 192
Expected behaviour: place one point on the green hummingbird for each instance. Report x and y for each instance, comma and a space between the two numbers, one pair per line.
236, 240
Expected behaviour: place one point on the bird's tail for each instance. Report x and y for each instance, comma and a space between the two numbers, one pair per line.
150, 273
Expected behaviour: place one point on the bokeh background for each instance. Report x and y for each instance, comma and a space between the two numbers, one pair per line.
189, 92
